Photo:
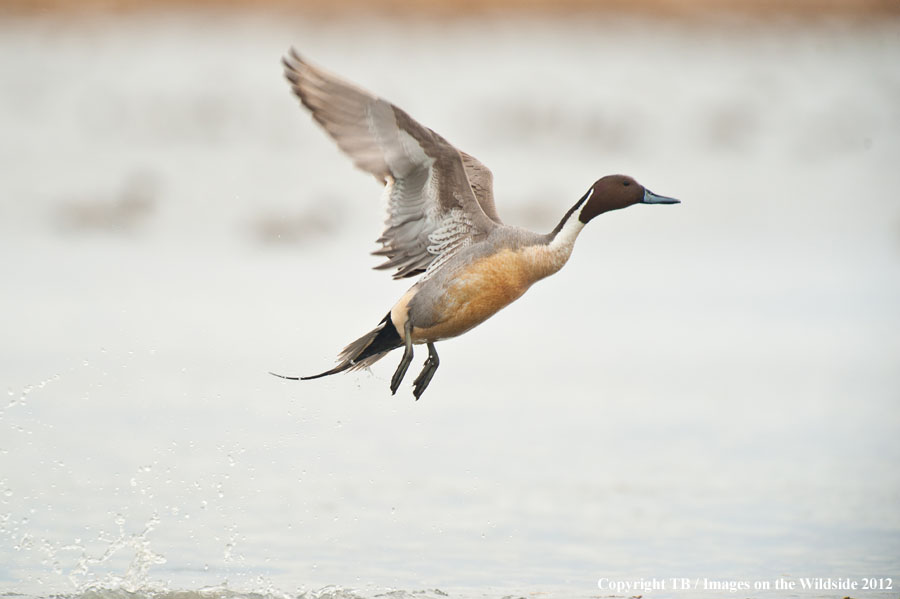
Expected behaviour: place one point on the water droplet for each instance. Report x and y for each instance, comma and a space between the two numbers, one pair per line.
7, 492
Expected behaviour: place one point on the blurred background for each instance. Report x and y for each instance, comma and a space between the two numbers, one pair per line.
709, 390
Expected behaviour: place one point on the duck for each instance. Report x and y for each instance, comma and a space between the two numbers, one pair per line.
442, 227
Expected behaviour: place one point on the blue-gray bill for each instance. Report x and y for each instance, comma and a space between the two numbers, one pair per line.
652, 198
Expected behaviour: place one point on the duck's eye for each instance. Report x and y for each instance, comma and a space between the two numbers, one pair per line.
626, 183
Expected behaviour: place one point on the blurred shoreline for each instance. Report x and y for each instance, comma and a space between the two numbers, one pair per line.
851, 9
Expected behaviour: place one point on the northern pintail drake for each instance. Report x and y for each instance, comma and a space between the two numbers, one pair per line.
441, 223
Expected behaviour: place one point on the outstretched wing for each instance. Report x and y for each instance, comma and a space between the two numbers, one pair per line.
432, 208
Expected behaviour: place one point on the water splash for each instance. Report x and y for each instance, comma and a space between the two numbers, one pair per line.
330, 592
136, 577
229, 556
20, 399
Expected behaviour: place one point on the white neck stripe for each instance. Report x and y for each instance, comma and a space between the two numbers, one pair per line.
565, 238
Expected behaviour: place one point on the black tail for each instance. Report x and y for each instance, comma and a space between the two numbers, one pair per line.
363, 352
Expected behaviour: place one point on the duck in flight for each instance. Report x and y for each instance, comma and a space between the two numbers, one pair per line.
441, 224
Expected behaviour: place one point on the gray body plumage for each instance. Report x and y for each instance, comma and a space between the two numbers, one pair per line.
429, 290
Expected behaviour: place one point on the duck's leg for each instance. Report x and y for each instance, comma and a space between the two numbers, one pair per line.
431, 365
405, 360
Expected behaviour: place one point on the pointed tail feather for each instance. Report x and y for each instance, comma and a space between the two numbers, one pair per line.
363, 352
337, 369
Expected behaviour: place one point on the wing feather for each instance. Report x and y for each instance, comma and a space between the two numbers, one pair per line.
482, 182
438, 198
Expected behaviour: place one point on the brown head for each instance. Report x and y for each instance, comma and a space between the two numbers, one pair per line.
617, 191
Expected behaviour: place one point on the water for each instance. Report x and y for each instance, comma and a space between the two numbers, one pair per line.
707, 391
